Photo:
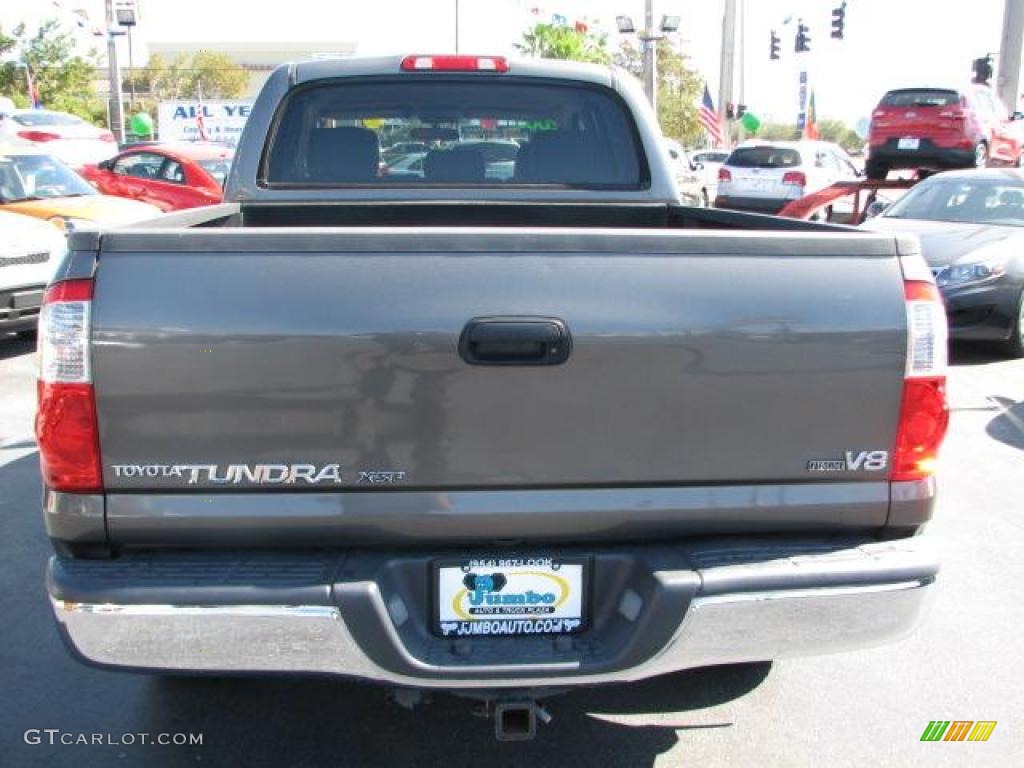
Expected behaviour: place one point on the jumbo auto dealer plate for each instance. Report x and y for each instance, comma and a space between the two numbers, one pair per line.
510, 596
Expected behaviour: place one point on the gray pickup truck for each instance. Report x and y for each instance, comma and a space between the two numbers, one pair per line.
497, 429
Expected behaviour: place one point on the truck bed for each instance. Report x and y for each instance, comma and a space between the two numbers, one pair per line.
413, 212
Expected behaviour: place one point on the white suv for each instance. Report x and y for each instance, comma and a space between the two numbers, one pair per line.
764, 176
30, 251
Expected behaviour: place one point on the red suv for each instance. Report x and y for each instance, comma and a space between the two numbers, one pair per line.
940, 128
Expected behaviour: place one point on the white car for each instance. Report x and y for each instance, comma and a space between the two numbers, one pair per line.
689, 176
712, 160
764, 176
30, 251
65, 136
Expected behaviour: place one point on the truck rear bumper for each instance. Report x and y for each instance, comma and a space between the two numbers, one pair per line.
654, 610
927, 155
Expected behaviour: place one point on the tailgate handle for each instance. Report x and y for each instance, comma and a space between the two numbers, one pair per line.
515, 341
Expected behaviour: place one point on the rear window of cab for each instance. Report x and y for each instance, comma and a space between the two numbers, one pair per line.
764, 157
471, 131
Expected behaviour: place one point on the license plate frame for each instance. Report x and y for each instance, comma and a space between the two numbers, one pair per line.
519, 575
908, 142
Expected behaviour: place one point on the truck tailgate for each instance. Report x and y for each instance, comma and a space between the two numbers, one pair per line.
696, 358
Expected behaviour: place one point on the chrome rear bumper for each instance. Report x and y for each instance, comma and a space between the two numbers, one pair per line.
807, 603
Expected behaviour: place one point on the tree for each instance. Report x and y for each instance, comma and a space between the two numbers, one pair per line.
6, 43
221, 77
778, 132
560, 41
679, 88
216, 73
63, 78
830, 130
839, 132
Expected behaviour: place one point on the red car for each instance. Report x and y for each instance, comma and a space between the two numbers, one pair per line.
170, 176
942, 128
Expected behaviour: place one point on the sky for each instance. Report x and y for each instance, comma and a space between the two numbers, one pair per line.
889, 43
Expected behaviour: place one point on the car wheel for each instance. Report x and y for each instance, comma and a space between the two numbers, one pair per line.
876, 171
1014, 346
981, 155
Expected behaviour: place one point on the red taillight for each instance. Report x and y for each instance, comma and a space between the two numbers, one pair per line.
69, 290
66, 427
795, 178
924, 417
724, 174
38, 135
454, 64
107, 136
924, 413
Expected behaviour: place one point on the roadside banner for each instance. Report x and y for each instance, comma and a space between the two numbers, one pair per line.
811, 118
218, 120
801, 117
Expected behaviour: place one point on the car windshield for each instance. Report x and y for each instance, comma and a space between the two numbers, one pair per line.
46, 118
405, 162
981, 201
710, 157
217, 167
764, 157
921, 97
404, 148
472, 134
27, 177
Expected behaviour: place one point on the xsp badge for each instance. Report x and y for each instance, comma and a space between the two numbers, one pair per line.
234, 474
855, 461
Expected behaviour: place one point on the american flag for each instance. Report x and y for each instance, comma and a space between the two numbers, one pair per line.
200, 116
33, 89
708, 117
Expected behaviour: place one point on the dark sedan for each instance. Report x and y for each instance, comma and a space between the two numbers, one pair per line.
971, 226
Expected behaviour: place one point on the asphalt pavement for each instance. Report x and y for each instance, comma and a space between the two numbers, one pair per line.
855, 709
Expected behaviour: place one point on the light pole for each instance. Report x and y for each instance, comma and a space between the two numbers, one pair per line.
114, 69
8, 105
727, 67
126, 18
649, 37
1008, 82
456, 26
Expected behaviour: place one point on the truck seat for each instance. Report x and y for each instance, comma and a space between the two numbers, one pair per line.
346, 154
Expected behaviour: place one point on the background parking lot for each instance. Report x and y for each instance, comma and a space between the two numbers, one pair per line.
855, 709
